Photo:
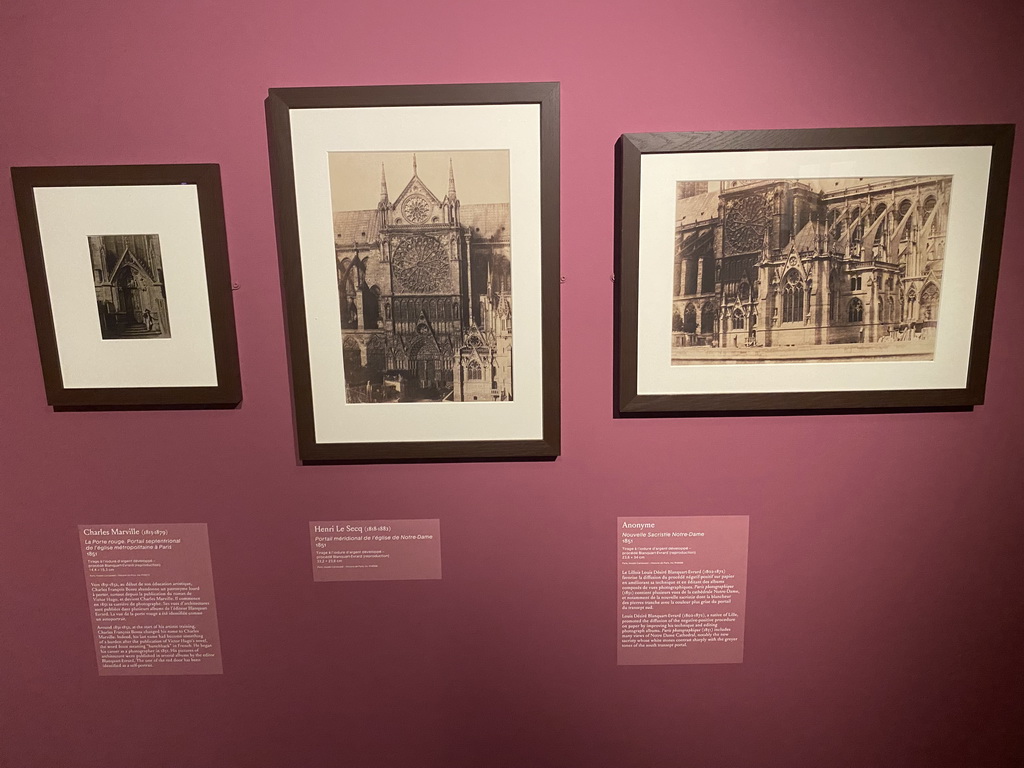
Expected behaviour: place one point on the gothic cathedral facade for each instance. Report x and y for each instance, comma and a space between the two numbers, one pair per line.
792, 263
426, 297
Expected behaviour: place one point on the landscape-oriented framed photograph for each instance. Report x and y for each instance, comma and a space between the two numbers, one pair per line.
130, 284
418, 235
807, 270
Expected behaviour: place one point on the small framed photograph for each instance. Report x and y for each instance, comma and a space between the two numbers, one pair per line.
807, 270
418, 235
130, 284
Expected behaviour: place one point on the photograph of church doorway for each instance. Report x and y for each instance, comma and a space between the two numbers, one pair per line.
130, 285
130, 295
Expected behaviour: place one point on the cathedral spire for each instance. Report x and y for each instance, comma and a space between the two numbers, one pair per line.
451, 181
383, 186
451, 200
414, 164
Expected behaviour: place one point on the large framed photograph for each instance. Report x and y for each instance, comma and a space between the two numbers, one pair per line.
418, 235
807, 270
130, 285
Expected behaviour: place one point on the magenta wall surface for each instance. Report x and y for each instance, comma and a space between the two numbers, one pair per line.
886, 581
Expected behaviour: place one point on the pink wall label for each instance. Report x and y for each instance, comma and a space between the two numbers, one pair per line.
376, 550
151, 598
682, 589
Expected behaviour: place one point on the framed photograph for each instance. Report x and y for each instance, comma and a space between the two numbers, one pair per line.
418, 234
807, 270
131, 289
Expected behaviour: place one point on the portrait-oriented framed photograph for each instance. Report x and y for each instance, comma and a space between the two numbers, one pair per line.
130, 284
807, 270
418, 236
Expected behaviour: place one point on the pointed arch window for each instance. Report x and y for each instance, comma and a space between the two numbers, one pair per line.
856, 311
839, 231
738, 320
929, 205
907, 232
930, 303
856, 227
793, 299
475, 372
831, 219
882, 228
347, 286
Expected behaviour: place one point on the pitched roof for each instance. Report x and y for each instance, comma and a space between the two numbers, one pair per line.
806, 239
697, 208
355, 226
486, 220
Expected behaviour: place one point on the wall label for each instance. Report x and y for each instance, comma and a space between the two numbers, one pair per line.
151, 599
682, 589
375, 550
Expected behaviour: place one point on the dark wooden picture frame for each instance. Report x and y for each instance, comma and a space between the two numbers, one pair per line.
356, 380
149, 347
819, 242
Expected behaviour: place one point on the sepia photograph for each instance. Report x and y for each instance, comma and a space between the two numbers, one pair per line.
129, 279
808, 270
395, 208
105, 246
423, 249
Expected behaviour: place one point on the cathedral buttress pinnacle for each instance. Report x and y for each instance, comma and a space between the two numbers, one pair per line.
451, 182
383, 188
451, 199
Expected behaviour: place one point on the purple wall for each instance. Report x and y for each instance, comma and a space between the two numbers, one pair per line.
884, 621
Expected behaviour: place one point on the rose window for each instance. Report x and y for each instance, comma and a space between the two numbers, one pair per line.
419, 265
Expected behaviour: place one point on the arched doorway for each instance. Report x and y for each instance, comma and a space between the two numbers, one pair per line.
430, 369
930, 304
689, 319
708, 314
140, 310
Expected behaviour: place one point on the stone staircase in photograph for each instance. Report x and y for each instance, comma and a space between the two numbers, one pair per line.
139, 331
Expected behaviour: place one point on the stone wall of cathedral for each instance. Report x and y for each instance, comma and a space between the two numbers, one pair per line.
781, 263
